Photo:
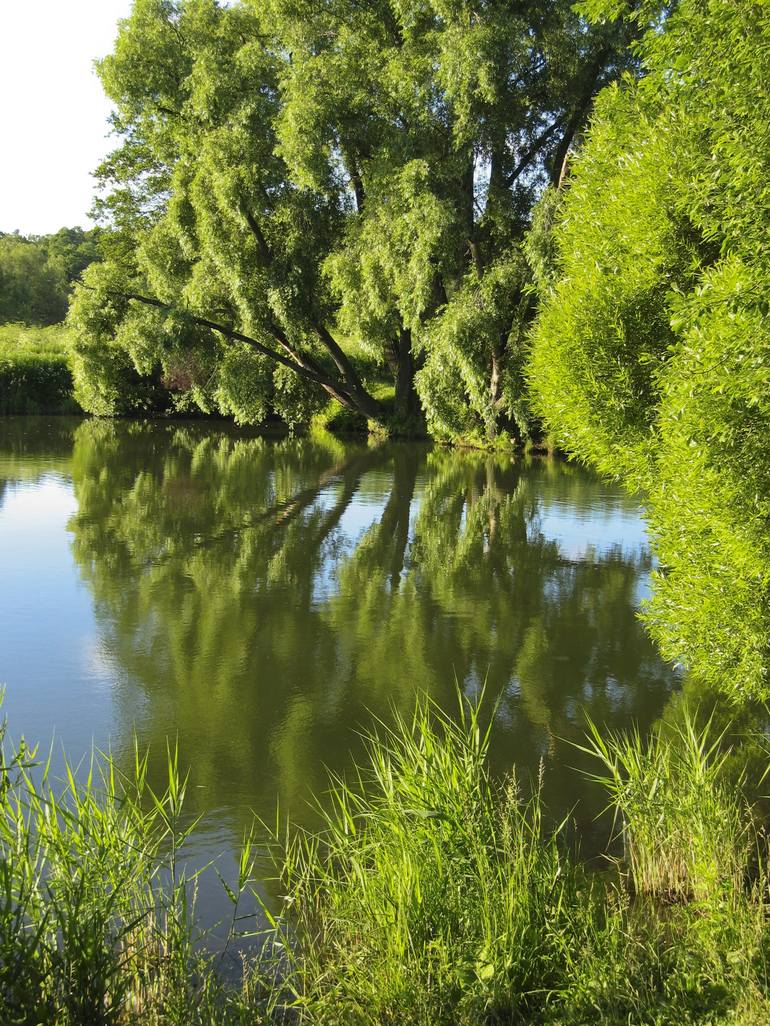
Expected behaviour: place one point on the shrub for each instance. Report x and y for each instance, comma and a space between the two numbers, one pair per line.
35, 375
650, 355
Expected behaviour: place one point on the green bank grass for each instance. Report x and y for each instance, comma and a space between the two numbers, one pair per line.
686, 830
35, 374
96, 911
432, 894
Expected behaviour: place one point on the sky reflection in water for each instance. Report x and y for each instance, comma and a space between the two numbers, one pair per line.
263, 598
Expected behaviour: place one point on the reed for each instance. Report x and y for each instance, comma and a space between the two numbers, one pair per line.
686, 828
432, 894
435, 895
96, 910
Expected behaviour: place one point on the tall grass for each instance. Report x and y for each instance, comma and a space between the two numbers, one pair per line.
686, 828
29, 338
96, 911
433, 894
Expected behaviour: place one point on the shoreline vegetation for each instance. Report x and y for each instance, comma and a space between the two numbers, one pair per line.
35, 370
431, 895
37, 377
492, 223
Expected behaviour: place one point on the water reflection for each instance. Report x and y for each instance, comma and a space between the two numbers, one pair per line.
31, 447
263, 598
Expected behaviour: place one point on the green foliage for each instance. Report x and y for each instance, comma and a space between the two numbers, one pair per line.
602, 332
540, 243
243, 383
53, 340
683, 822
650, 357
35, 384
96, 925
35, 375
291, 173
107, 380
430, 898
36, 273
463, 397
30, 290
431, 895
646, 12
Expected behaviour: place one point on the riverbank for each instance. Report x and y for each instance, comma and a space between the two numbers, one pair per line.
430, 895
37, 377
35, 373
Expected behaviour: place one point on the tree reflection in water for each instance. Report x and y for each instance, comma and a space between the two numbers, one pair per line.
264, 598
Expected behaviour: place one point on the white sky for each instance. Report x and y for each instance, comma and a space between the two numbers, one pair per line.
53, 114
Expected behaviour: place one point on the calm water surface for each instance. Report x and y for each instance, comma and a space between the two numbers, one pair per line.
262, 599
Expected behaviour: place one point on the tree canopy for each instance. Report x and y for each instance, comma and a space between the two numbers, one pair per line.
651, 356
37, 273
329, 199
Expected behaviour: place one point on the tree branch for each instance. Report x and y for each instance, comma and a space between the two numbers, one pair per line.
533, 150
365, 401
237, 336
354, 174
303, 366
256, 231
579, 112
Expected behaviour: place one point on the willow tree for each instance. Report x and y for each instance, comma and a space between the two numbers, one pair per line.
308, 197
651, 357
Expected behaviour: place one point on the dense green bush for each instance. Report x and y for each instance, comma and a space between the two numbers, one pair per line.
35, 375
32, 383
651, 356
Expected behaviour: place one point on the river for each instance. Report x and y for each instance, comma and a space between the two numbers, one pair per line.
261, 600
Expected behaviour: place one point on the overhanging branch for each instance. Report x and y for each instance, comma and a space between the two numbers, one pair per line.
236, 336
303, 366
